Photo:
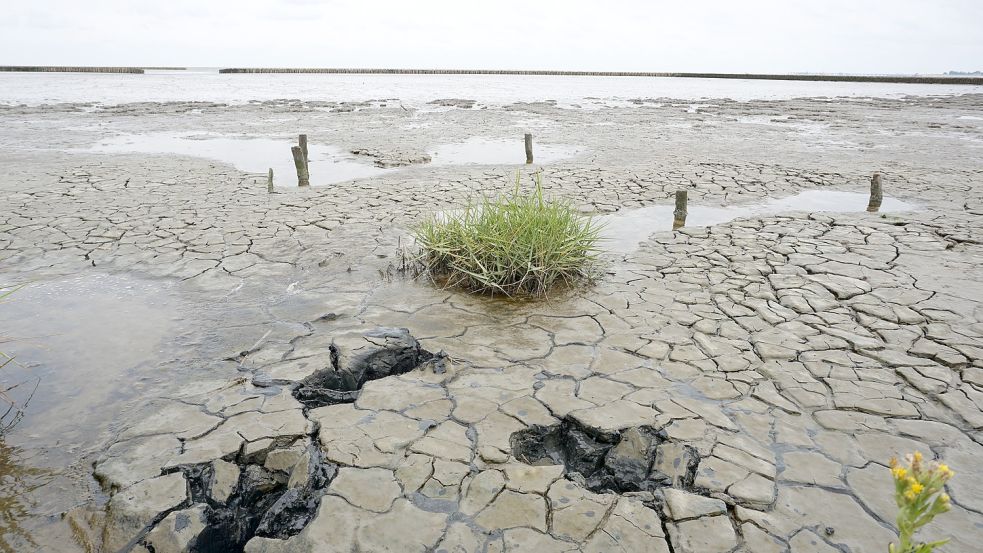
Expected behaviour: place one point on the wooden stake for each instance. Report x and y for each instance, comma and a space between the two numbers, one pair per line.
269, 181
303, 148
303, 177
876, 194
528, 148
679, 215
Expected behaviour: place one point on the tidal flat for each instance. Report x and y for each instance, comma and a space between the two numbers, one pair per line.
737, 385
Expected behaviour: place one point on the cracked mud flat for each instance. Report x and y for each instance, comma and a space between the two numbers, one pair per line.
789, 356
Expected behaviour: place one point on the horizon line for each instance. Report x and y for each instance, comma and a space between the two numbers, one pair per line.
941, 78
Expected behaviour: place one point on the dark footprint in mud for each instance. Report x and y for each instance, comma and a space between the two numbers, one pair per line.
399, 353
633, 460
262, 503
269, 503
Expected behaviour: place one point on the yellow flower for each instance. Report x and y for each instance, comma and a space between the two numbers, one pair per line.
920, 496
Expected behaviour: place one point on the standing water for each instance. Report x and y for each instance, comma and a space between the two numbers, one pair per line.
328, 164
622, 231
207, 85
90, 344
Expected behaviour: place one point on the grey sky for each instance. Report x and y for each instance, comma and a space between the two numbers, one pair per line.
855, 36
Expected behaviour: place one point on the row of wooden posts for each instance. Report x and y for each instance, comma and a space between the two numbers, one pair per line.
873, 205
302, 165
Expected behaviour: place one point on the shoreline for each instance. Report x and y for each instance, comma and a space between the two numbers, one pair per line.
896, 79
914, 79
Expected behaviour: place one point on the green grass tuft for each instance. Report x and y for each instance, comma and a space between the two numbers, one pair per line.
518, 244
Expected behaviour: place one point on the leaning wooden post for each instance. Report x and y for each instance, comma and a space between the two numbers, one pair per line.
303, 148
528, 148
876, 194
303, 177
269, 181
679, 215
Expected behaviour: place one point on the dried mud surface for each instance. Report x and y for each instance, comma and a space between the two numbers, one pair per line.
780, 361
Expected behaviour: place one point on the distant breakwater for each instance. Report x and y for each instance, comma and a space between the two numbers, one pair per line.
68, 69
758, 76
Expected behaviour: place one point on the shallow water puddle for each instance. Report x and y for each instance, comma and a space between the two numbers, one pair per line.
482, 151
328, 164
79, 336
89, 343
622, 231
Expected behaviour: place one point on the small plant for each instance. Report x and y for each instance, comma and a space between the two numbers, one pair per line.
516, 244
11, 412
919, 493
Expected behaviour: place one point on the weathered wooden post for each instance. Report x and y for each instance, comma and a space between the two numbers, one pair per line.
269, 181
528, 148
303, 177
303, 148
679, 214
876, 194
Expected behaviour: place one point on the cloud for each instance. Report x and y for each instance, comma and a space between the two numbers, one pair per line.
754, 35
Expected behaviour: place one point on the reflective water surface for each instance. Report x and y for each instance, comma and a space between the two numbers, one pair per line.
328, 164
91, 344
482, 151
622, 231
207, 85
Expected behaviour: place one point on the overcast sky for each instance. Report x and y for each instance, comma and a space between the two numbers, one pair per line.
850, 36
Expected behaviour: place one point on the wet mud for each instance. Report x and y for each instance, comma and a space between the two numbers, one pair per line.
341, 383
633, 460
272, 503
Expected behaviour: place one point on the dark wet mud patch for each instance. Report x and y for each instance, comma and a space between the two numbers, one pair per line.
453, 103
632, 460
390, 158
396, 352
266, 500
